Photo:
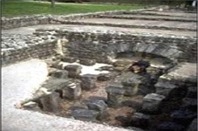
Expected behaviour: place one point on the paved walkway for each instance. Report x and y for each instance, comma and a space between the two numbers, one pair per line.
86, 28
19, 81
140, 23
151, 17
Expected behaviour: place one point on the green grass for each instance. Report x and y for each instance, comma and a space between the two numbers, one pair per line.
19, 8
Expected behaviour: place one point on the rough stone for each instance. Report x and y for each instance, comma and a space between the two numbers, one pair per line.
135, 102
170, 126
72, 91
182, 73
58, 73
73, 70
165, 88
98, 105
85, 114
193, 125
183, 116
87, 62
121, 63
151, 102
32, 106
190, 103
104, 77
51, 102
53, 84
107, 68
69, 59
115, 88
114, 100
88, 81
140, 120
192, 92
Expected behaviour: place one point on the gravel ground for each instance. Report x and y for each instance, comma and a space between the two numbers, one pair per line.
19, 81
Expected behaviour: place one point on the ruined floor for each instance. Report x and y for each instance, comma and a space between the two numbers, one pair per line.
21, 80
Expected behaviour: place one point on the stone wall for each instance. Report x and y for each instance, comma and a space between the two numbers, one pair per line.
15, 22
101, 45
42, 50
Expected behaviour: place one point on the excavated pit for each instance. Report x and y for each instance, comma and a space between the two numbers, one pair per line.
90, 77
112, 94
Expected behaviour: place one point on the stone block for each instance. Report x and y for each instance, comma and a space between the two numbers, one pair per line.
165, 88
72, 91
51, 102
135, 102
73, 70
140, 120
58, 73
114, 100
85, 114
32, 106
88, 81
121, 63
115, 88
136, 84
170, 126
183, 116
106, 68
192, 92
69, 59
190, 103
98, 105
87, 62
104, 77
152, 102
53, 84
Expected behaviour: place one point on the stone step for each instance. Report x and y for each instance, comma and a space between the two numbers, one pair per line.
152, 102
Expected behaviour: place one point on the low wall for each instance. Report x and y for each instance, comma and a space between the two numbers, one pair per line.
100, 45
15, 22
40, 51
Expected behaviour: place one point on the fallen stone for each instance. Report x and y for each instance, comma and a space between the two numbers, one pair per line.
53, 84
104, 77
190, 103
88, 81
152, 102
72, 91
137, 84
115, 88
73, 70
165, 88
98, 105
69, 59
193, 125
85, 114
182, 73
51, 102
140, 120
121, 63
192, 92
87, 62
106, 68
170, 126
32, 106
58, 73
135, 102
114, 100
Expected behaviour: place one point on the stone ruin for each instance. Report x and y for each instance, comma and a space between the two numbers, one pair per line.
134, 93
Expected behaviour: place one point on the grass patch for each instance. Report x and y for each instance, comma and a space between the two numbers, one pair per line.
19, 8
